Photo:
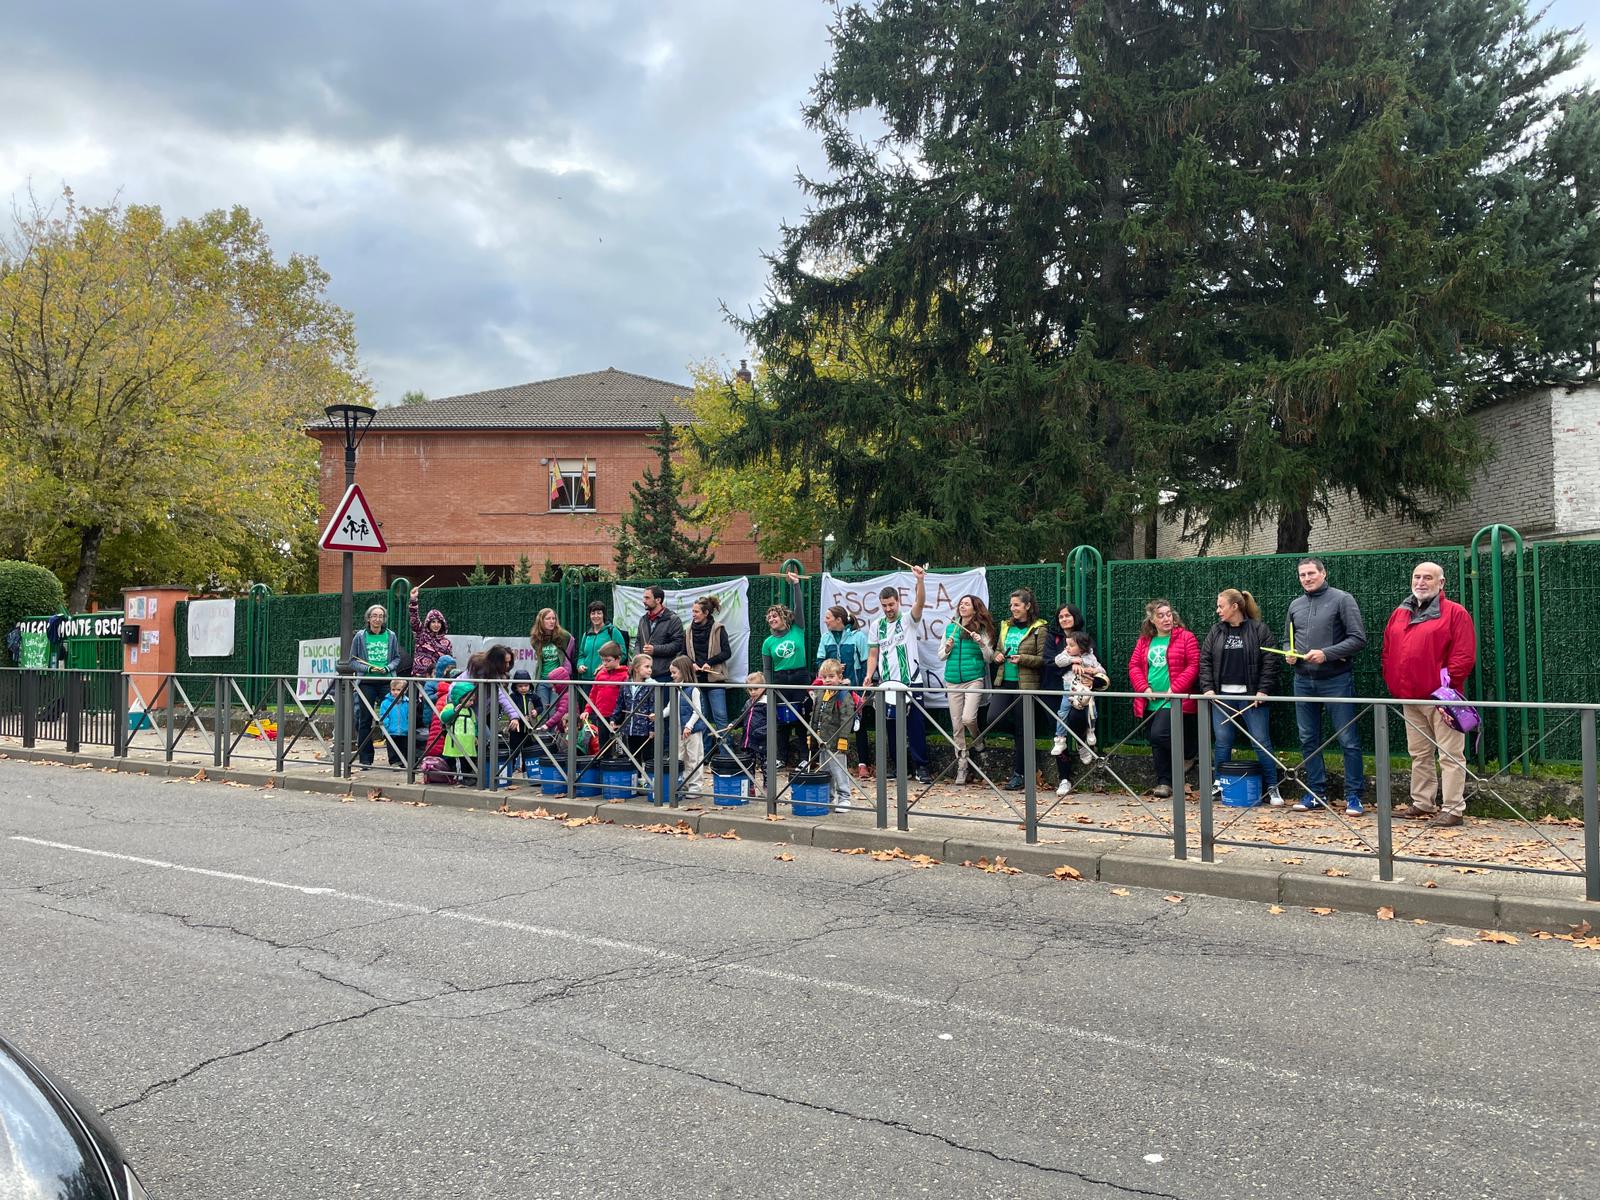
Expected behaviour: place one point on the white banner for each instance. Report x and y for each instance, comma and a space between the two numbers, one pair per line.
210, 628
627, 603
944, 592
319, 664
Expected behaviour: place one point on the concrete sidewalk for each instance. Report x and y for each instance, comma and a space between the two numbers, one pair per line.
941, 828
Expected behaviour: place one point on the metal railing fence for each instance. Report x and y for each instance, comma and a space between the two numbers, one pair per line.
772, 753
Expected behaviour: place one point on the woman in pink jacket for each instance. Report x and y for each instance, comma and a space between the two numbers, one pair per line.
1166, 658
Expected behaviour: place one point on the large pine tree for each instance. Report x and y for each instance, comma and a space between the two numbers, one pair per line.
1092, 254
653, 541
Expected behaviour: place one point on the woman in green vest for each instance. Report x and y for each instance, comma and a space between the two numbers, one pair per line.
374, 657
967, 648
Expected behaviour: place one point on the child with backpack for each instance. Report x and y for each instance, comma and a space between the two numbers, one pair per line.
460, 723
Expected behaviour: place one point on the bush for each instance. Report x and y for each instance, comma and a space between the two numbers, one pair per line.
26, 590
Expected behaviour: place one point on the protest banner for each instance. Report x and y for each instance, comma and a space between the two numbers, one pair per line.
319, 665
628, 605
860, 599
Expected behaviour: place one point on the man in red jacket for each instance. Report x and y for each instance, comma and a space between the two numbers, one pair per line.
1428, 634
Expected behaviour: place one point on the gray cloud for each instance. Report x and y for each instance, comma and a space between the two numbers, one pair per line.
501, 191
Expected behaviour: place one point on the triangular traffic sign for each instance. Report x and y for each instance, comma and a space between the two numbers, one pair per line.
353, 526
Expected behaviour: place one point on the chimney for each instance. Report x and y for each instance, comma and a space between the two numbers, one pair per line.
743, 373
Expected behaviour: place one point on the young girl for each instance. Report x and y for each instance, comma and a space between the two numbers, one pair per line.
430, 638
750, 727
635, 710
460, 723
691, 720
394, 715
1084, 677
832, 714
843, 639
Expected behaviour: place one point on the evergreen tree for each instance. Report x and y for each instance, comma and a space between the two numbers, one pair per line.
479, 576
1111, 252
524, 573
652, 541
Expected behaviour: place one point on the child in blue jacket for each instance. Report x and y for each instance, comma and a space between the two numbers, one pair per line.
394, 714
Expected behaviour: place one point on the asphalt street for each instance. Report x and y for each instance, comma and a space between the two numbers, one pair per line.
280, 995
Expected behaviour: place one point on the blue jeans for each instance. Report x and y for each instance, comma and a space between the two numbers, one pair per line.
1309, 718
716, 702
1226, 717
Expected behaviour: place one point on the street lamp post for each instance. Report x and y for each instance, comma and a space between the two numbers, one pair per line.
353, 420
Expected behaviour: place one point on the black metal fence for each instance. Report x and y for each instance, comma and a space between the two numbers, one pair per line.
789, 751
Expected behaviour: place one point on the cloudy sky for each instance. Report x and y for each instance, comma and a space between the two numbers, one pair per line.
503, 191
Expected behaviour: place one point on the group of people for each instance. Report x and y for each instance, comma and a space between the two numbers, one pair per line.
993, 674
1429, 643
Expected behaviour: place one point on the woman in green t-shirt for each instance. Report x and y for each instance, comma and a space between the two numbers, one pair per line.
967, 648
374, 656
783, 661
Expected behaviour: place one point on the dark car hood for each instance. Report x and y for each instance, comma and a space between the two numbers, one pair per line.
52, 1146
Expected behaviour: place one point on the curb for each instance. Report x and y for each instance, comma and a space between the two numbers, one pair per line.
1445, 906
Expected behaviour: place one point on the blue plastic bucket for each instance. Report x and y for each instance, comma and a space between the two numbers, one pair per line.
552, 777
1241, 784
618, 781
729, 785
589, 777
810, 795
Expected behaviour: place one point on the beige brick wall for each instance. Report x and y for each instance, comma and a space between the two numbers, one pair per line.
1543, 479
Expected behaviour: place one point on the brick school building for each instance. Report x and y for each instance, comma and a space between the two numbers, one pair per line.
535, 469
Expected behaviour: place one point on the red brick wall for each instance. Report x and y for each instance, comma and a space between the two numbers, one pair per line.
449, 498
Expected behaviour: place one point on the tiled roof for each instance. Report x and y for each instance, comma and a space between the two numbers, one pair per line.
609, 399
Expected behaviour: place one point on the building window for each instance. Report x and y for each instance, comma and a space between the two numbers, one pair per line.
572, 484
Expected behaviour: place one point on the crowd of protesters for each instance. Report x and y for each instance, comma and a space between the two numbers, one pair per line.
994, 673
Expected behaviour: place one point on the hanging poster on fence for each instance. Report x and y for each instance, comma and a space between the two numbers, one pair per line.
627, 605
210, 628
860, 599
319, 663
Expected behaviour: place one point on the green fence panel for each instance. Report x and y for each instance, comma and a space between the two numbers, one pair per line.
1568, 593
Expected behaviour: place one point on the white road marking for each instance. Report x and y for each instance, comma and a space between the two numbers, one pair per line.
877, 995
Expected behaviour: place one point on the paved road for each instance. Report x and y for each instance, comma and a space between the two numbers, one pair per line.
276, 995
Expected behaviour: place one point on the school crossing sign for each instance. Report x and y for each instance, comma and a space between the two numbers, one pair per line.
353, 526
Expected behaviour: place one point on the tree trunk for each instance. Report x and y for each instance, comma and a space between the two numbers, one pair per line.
1294, 531
1152, 541
88, 564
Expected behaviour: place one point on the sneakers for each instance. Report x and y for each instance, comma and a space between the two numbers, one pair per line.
1059, 746
922, 776
1352, 808
1086, 755
841, 806
1064, 788
1015, 784
1274, 797
1308, 803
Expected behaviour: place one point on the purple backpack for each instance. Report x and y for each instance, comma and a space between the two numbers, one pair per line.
1458, 713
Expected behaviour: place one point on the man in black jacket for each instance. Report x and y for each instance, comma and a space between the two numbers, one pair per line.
1326, 632
660, 633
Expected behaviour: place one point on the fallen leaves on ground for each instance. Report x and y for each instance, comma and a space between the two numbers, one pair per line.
998, 867
1335, 873
921, 861
1576, 937
1173, 899
199, 776
682, 829
851, 850
1065, 872
1428, 883
772, 817
1469, 870
1498, 937
1386, 913
579, 822
784, 857
1458, 941
1277, 910
375, 794
727, 835
539, 814
1292, 862
1323, 912
1120, 892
